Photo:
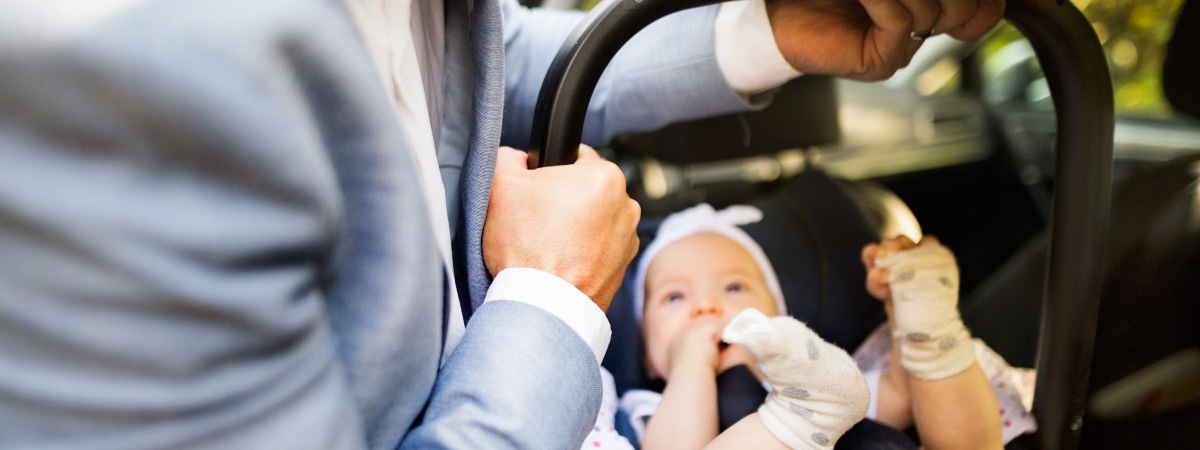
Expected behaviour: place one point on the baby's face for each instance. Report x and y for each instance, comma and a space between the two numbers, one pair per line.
705, 277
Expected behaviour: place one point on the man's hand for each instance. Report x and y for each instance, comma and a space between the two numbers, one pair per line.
870, 39
573, 221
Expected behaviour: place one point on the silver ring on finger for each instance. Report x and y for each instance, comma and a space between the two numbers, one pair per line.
917, 37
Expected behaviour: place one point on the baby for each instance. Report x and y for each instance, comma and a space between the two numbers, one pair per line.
708, 299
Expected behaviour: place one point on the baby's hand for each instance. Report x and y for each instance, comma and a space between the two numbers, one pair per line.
696, 347
877, 277
817, 391
921, 282
922, 291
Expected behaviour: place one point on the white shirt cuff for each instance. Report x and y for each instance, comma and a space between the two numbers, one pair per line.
558, 297
746, 50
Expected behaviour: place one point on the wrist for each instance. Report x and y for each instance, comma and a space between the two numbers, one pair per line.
747, 48
692, 366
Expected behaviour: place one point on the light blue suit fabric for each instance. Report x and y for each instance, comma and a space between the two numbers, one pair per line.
667, 73
212, 234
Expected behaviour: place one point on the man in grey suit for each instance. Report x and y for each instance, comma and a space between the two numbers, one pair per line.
228, 224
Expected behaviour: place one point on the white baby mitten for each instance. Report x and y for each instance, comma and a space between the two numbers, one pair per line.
817, 392
934, 343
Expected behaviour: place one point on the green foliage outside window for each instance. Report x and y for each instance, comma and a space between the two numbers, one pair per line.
1134, 35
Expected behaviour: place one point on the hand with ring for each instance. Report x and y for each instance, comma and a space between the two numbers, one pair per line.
871, 39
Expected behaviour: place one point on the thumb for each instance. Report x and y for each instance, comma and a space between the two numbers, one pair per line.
509, 159
587, 154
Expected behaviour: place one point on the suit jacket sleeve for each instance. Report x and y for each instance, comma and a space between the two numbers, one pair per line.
667, 73
520, 379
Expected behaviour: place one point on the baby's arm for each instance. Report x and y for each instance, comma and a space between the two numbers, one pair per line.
687, 417
933, 361
748, 433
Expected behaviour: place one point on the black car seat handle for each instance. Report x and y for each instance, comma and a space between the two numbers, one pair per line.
1081, 87
1080, 84
572, 77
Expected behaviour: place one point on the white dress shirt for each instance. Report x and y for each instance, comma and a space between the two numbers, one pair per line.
745, 52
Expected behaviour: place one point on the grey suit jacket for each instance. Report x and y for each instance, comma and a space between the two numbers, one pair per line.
212, 233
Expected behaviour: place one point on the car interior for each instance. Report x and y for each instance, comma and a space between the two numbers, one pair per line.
996, 182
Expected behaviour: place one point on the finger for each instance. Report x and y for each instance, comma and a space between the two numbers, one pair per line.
587, 154
877, 284
631, 249
930, 239
905, 242
713, 331
881, 293
635, 216
508, 158
953, 14
872, 254
925, 14
881, 252
868, 255
887, 40
987, 13
893, 244
532, 160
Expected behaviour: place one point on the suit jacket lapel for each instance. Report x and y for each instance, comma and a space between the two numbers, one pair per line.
487, 58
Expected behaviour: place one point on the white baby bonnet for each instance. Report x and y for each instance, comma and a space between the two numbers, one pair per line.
700, 219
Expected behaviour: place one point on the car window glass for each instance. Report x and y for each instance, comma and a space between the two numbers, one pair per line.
1134, 36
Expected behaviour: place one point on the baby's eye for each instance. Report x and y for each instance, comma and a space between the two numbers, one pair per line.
673, 297
733, 287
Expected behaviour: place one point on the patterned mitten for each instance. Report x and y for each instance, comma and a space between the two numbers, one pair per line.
934, 343
817, 392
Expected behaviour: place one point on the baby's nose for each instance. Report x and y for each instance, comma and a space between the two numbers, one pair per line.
709, 306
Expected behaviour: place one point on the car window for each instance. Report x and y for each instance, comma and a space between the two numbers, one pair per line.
1134, 35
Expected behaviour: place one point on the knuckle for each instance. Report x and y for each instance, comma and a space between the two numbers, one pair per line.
612, 174
933, 10
958, 14
904, 20
968, 10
